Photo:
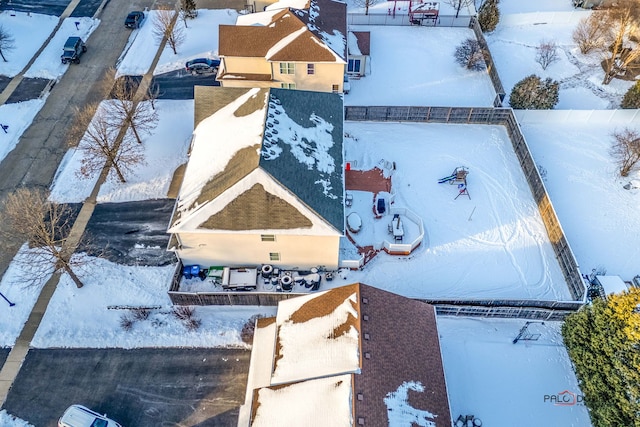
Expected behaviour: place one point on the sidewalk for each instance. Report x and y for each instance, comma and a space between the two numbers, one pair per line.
16, 357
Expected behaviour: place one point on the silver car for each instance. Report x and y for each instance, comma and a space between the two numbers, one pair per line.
80, 416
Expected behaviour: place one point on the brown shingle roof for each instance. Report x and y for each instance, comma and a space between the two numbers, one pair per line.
305, 47
402, 346
255, 41
256, 209
364, 41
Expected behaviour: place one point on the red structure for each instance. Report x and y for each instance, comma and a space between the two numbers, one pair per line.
424, 13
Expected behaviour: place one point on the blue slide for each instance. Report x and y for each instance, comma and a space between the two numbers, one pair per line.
447, 179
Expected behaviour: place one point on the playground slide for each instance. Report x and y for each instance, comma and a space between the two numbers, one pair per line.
447, 179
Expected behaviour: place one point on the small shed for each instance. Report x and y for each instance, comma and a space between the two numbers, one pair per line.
359, 47
611, 284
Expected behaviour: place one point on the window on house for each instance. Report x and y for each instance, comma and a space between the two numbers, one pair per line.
353, 66
287, 68
268, 237
335, 88
311, 68
288, 85
274, 256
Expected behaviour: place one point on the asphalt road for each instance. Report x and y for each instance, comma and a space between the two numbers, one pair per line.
131, 233
179, 84
51, 7
4, 352
138, 388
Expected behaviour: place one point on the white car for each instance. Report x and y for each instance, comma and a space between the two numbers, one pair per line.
80, 416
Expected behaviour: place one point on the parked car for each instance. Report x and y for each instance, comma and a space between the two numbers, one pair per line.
73, 50
202, 65
134, 19
80, 416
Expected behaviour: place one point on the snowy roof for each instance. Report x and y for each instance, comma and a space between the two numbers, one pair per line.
612, 284
388, 342
318, 336
259, 151
290, 34
321, 402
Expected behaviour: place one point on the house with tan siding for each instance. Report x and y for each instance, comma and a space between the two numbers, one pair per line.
264, 182
301, 48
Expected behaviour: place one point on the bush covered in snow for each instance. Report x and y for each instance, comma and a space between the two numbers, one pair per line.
631, 99
489, 16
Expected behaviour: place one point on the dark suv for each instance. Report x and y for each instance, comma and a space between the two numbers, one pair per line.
134, 20
73, 50
202, 65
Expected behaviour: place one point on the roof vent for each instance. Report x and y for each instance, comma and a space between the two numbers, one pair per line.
365, 300
360, 421
360, 397
367, 355
367, 336
365, 317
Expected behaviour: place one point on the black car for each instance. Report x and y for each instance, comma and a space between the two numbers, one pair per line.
134, 20
202, 65
73, 50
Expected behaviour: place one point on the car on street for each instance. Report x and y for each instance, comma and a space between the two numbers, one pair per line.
134, 19
73, 50
81, 416
202, 66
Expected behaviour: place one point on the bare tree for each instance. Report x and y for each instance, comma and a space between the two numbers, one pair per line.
105, 143
7, 42
471, 55
164, 27
626, 150
590, 33
622, 21
547, 53
459, 4
366, 4
29, 216
127, 111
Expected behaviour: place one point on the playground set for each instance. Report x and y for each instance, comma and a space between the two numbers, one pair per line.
458, 176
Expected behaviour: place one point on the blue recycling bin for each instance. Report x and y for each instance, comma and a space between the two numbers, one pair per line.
189, 271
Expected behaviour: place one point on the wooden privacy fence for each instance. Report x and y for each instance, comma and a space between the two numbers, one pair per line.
493, 116
491, 66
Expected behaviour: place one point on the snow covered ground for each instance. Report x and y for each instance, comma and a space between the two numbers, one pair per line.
48, 64
18, 117
29, 32
600, 218
493, 245
201, 40
415, 66
91, 316
165, 148
506, 384
523, 26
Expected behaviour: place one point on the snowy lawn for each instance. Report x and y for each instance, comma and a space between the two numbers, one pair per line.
48, 64
599, 217
513, 47
165, 149
29, 32
8, 420
415, 66
20, 291
491, 246
83, 317
506, 384
18, 117
201, 40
